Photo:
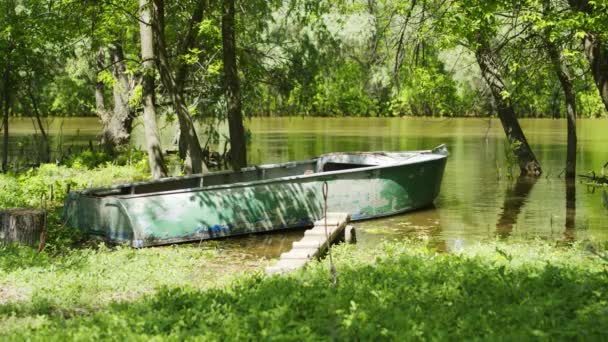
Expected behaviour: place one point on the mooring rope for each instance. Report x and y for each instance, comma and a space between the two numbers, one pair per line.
332, 268
43, 206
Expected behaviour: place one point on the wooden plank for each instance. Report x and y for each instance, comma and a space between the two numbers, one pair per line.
314, 243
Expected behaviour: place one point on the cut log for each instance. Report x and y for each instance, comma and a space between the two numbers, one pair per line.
22, 226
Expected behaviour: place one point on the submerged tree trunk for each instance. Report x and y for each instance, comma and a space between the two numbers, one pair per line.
194, 158
155, 155
566, 82
120, 123
519, 145
238, 144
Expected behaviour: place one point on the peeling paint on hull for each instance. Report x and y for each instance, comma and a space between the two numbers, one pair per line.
369, 185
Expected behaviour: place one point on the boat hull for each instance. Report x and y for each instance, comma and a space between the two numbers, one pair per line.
251, 207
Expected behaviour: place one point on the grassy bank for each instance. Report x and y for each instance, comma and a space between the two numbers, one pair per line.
395, 291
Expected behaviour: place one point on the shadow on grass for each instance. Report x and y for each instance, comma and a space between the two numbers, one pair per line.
396, 298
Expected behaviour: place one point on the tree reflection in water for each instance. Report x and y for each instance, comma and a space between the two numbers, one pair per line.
515, 199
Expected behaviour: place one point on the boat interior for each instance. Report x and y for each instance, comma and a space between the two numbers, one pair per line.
325, 163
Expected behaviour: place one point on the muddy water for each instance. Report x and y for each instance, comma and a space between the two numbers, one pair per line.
480, 197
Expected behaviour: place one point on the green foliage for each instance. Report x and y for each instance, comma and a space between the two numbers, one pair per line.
427, 92
305, 57
394, 292
87, 159
341, 93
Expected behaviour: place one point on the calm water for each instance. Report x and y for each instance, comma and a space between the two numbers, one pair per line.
478, 200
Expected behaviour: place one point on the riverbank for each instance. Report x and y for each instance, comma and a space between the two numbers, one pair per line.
399, 290
80, 289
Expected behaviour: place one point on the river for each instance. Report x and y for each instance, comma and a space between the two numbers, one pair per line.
479, 200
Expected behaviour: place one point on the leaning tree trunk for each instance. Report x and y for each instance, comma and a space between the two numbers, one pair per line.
563, 75
155, 155
22, 226
238, 144
527, 161
194, 162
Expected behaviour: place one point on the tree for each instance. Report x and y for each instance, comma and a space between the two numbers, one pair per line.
31, 42
552, 42
528, 164
117, 129
238, 144
473, 23
594, 21
155, 156
194, 162
8, 48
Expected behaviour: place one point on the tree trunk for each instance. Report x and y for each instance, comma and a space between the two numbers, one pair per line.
596, 51
194, 158
155, 156
7, 105
597, 54
100, 107
528, 164
570, 96
23, 226
46, 147
238, 144
182, 67
399, 55
120, 124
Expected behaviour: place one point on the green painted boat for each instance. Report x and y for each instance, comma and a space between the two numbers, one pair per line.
258, 199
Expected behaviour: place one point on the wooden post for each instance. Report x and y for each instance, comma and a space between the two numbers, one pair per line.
350, 234
23, 226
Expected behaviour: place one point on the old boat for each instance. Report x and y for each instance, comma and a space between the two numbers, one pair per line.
258, 199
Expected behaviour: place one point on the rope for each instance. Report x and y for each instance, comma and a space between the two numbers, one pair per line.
43, 206
332, 268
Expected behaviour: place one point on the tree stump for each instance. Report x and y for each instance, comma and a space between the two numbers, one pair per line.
23, 226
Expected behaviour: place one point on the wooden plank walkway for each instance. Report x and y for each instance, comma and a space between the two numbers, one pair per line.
314, 243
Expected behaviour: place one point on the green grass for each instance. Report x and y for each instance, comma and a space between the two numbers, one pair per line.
396, 291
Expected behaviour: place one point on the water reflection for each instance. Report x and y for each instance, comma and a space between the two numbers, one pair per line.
570, 224
253, 247
515, 199
424, 224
